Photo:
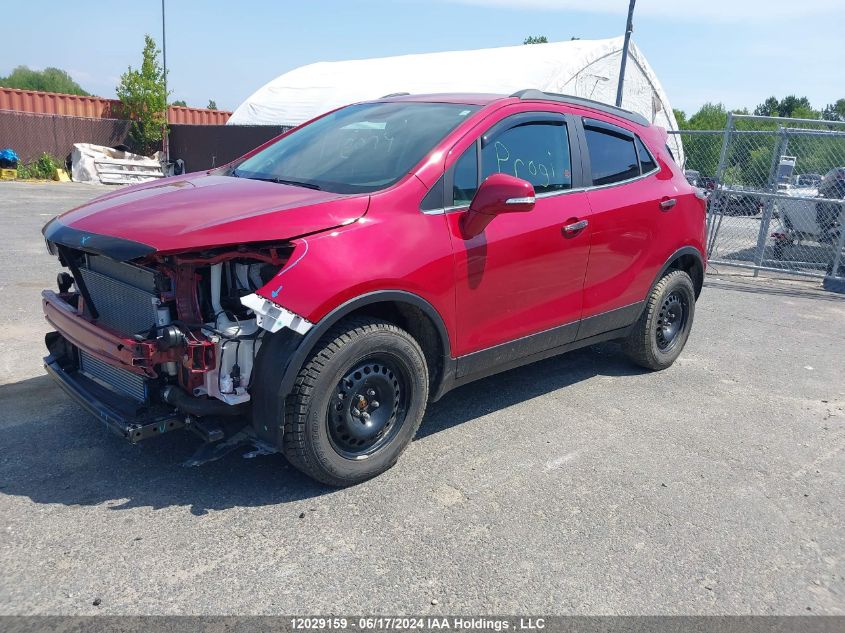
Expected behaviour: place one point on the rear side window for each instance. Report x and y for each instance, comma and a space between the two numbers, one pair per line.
613, 157
647, 162
536, 151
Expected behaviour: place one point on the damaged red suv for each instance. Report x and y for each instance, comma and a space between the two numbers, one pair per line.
316, 294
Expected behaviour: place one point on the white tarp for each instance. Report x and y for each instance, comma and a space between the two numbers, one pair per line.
583, 68
100, 164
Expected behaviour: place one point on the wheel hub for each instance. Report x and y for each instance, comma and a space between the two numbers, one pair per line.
365, 407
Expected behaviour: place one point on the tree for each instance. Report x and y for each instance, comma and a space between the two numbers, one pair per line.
180, 102
768, 108
681, 119
144, 99
834, 111
212, 105
536, 39
790, 106
47, 80
711, 116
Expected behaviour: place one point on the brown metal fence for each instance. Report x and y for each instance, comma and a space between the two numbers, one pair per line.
31, 135
206, 146
199, 146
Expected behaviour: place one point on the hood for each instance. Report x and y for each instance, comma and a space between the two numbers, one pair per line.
204, 211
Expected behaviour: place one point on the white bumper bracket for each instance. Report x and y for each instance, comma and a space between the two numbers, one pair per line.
273, 317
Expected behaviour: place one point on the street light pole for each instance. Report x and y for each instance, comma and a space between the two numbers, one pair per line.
628, 30
165, 140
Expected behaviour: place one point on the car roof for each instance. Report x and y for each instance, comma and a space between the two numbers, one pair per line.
468, 98
483, 99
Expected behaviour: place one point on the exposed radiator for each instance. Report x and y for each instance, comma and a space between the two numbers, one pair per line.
125, 295
119, 380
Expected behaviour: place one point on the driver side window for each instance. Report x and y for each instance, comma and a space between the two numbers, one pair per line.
536, 151
533, 150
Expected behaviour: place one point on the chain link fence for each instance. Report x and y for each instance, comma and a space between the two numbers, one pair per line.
775, 193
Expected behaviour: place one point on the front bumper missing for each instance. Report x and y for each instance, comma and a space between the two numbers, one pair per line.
273, 317
139, 357
134, 356
136, 422
131, 420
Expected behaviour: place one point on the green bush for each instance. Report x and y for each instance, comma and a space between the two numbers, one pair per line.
43, 168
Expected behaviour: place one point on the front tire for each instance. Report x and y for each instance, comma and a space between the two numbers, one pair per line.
357, 402
661, 332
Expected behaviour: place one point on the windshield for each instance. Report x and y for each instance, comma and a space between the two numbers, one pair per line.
357, 149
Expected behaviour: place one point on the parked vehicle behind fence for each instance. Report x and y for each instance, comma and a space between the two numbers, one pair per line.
319, 292
818, 221
808, 180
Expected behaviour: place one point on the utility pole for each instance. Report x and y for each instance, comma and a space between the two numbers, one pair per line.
628, 30
165, 145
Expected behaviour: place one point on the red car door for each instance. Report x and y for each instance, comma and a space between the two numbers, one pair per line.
524, 274
625, 220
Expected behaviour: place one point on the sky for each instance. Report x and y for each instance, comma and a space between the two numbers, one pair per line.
737, 52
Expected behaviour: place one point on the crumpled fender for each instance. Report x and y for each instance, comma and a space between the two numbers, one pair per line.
397, 248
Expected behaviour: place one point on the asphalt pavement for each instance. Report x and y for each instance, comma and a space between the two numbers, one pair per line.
580, 484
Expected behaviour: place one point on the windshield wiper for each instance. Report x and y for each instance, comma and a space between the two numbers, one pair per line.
278, 181
295, 183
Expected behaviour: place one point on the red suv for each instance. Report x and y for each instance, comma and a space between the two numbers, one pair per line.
315, 294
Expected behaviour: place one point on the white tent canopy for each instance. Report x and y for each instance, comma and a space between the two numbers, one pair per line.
583, 68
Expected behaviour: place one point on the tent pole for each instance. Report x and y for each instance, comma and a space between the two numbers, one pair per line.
628, 29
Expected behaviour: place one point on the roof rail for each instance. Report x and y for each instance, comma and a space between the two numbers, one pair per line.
395, 94
535, 94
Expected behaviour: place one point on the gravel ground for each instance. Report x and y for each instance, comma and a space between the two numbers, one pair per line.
576, 485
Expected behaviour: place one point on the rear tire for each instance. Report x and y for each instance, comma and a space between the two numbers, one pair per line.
357, 402
661, 332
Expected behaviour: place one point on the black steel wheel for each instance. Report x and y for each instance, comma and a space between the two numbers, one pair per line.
370, 403
659, 335
671, 320
357, 402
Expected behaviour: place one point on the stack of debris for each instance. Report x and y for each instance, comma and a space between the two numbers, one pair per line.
113, 166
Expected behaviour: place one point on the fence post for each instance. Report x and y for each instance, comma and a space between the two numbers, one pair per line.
772, 187
837, 256
717, 196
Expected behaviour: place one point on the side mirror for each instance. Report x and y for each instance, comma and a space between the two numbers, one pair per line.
499, 193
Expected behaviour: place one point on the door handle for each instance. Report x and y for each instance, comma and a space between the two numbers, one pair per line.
667, 203
572, 229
